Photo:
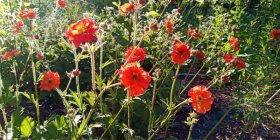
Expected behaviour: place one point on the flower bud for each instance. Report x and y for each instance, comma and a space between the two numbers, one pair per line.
40, 56
76, 72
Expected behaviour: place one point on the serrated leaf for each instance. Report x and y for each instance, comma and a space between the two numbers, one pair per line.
26, 126
153, 14
106, 64
76, 98
89, 97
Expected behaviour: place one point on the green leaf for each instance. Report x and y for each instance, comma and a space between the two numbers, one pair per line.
26, 4
76, 98
26, 126
153, 14
89, 97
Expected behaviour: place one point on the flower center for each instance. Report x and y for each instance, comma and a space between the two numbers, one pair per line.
199, 99
135, 76
50, 81
80, 29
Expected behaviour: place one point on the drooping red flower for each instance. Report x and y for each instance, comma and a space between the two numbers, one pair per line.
234, 43
275, 34
134, 54
200, 55
81, 31
201, 99
40, 56
228, 58
61, 3
76, 72
50, 81
169, 26
194, 33
181, 52
154, 26
10, 54
134, 78
126, 8
17, 26
27, 13
239, 63
225, 78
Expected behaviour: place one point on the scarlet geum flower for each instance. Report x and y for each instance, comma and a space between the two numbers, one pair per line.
50, 81
126, 8
10, 54
169, 26
239, 63
194, 33
134, 78
81, 31
234, 43
201, 99
275, 34
76, 72
61, 3
17, 26
40, 56
228, 58
200, 55
134, 54
181, 52
225, 78
27, 13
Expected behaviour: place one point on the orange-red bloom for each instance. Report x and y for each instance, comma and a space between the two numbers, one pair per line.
27, 13
134, 78
181, 52
17, 26
200, 55
81, 31
228, 58
126, 8
134, 54
275, 34
194, 33
234, 43
10, 54
239, 63
61, 3
51, 80
169, 27
201, 99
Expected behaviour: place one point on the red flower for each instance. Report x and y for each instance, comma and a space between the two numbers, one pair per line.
234, 43
10, 54
275, 34
27, 13
225, 78
81, 31
169, 27
126, 8
228, 58
40, 56
76, 72
239, 63
134, 54
201, 99
200, 55
51, 80
134, 78
194, 33
181, 52
17, 26
142, 1
61, 3
154, 26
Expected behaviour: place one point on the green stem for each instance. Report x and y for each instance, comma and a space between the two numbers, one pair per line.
76, 67
152, 109
190, 132
92, 51
100, 73
4, 115
35, 86
128, 110
172, 87
111, 123
192, 79
217, 124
